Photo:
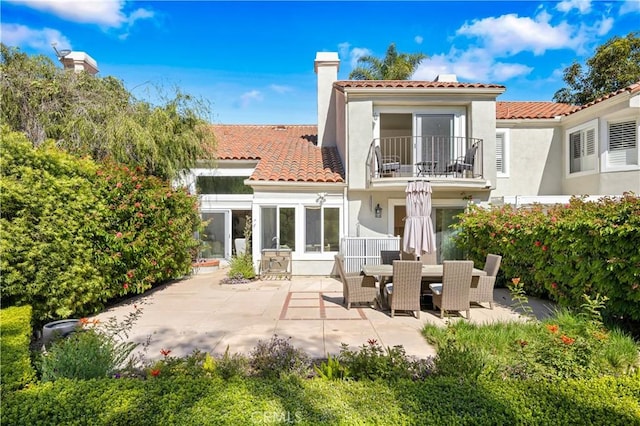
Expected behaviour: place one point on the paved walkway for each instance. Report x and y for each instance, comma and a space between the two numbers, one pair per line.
200, 313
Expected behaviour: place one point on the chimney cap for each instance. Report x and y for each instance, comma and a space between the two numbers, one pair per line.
326, 59
76, 59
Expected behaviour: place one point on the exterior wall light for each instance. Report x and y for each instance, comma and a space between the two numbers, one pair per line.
378, 211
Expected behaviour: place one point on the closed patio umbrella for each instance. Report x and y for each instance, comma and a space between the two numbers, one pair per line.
419, 237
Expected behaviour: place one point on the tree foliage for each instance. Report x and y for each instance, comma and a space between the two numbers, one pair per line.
89, 115
394, 66
614, 66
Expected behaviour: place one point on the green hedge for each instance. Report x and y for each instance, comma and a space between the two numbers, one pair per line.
564, 251
610, 401
15, 336
74, 234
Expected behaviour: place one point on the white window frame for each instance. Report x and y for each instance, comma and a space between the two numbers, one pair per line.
506, 136
322, 241
618, 167
591, 125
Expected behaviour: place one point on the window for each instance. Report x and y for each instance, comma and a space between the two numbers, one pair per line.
502, 153
278, 227
623, 143
222, 185
322, 229
582, 150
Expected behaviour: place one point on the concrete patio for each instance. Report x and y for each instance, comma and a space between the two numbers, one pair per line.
200, 313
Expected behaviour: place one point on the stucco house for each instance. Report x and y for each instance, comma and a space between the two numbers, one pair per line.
340, 185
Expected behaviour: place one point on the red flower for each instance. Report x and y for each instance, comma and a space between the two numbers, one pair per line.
567, 340
137, 205
538, 243
544, 248
138, 186
130, 274
125, 286
165, 352
155, 372
553, 219
552, 328
372, 342
523, 343
554, 286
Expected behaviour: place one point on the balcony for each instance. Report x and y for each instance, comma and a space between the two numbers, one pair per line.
444, 160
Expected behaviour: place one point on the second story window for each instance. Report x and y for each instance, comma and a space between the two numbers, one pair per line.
222, 185
582, 149
502, 153
623, 143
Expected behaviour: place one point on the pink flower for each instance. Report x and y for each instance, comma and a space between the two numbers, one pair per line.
119, 185
125, 286
137, 205
544, 248
138, 186
119, 235
553, 219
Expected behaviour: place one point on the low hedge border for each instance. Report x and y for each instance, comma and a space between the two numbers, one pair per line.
185, 401
15, 336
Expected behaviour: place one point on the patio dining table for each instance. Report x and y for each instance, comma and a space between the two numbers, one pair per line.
432, 273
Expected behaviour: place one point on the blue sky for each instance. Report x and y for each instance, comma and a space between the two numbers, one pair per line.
253, 61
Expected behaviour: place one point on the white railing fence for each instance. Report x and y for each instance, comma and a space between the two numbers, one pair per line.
358, 251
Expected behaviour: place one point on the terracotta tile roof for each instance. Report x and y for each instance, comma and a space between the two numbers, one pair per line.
409, 84
514, 110
518, 110
286, 153
633, 88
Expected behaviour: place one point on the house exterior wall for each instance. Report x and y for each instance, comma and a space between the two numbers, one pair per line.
359, 116
303, 263
606, 178
534, 161
482, 125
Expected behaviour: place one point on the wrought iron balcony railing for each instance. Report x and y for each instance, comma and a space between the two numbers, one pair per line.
432, 156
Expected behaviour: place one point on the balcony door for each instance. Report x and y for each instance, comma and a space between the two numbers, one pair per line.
434, 144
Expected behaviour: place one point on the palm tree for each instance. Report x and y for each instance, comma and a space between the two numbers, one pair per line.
394, 66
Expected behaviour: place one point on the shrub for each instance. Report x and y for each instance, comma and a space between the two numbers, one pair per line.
564, 251
457, 361
278, 356
372, 362
15, 332
50, 216
231, 366
74, 235
241, 267
97, 350
331, 369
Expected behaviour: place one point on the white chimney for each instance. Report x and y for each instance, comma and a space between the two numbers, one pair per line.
326, 67
447, 78
79, 61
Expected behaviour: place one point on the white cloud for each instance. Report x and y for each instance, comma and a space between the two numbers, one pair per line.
475, 65
419, 39
583, 6
630, 6
281, 89
248, 98
511, 34
40, 39
109, 14
352, 54
604, 26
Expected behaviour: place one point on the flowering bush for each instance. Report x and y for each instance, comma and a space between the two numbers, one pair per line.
564, 251
148, 234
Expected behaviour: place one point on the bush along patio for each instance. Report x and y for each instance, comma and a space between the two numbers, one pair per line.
76, 234
565, 251
565, 370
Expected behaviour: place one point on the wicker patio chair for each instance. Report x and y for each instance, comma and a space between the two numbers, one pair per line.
483, 291
403, 293
356, 288
453, 293
388, 256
